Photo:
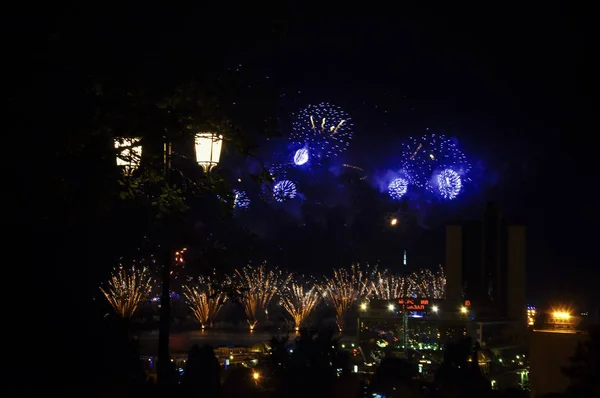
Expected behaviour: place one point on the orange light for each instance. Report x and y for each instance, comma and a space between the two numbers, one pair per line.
561, 315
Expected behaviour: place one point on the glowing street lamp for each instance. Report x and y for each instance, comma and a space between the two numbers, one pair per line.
129, 153
463, 310
208, 149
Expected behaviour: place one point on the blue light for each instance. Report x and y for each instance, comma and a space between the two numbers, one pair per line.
301, 156
240, 199
324, 128
398, 188
449, 183
429, 152
284, 190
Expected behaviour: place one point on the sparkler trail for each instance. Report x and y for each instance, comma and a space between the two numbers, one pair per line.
344, 289
205, 298
423, 283
388, 286
257, 286
299, 302
127, 290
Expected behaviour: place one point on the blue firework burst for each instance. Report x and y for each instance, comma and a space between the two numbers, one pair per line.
423, 155
301, 156
449, 183
398, 188
240, 199
284, 190
325, 129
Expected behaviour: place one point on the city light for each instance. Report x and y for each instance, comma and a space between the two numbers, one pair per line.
363, 306
434, 308
256, 375
393, 221
463, 310
561, 315
391, 307
531, 312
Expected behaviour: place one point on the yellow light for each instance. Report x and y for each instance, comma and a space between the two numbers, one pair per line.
434, 308
208, 149
463, 310
363, 306
561, 315
391, 307
129, 153
393, 221
256, 376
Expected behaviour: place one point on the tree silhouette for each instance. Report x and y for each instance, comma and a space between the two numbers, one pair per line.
583, 369
202, 376
316, 357
393, 374
456, 375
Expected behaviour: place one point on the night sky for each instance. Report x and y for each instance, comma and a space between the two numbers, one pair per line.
508, 82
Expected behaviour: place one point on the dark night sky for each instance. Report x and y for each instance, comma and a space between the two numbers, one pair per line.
508, 81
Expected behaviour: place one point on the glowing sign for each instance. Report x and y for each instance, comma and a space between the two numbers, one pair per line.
413, 304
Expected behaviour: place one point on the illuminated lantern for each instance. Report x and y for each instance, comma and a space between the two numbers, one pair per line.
208, 149
129, 153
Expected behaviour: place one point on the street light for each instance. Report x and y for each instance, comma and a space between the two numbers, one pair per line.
463, 310
208, 149
129, 153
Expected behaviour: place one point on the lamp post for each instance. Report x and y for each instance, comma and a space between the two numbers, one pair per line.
208, 149
208, 152
129, 153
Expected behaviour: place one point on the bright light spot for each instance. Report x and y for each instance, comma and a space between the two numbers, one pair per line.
463, 310
434, 308
301, 156
397, 188
449, 183
561, 315
391, 307
363, 306
256, 375
393, 221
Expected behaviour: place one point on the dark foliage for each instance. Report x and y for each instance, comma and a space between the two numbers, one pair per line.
457, 375
202, 376
583, 369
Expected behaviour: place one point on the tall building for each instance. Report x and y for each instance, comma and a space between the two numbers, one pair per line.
485, 264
